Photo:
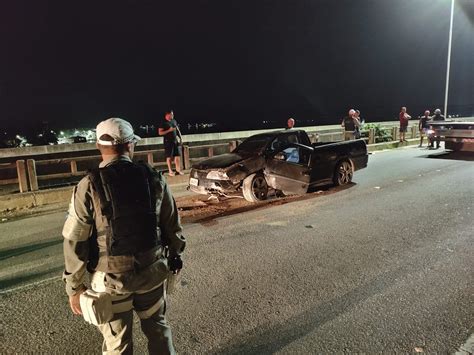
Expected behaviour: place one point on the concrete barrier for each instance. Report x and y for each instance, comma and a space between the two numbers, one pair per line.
187, 138
61, 195
14, 203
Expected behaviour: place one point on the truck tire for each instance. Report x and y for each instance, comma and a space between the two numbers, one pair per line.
343, 173
255, 188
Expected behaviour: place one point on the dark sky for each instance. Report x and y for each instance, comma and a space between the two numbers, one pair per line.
235, 62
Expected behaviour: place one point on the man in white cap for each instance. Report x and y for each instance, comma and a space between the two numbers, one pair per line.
123, 228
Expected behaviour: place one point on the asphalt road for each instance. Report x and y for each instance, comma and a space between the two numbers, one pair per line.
384, 265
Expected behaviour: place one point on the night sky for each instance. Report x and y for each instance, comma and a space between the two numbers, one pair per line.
232, 62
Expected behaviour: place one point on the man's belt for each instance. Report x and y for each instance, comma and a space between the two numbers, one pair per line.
125, 263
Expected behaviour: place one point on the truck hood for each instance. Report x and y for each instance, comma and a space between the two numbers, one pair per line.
219, 161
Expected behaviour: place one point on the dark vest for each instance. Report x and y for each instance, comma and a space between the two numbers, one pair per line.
349, 124
128, 201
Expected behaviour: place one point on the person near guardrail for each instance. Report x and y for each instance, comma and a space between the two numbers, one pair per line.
361, 123
172, 141
404, 117
437, 117
350, 123
123, 228
290, 123
423, 126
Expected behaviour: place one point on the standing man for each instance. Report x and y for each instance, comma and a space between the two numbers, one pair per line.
437, 117
350, 122
361, 122
290, 123
423, 126
123, 228
171, 134
404, 117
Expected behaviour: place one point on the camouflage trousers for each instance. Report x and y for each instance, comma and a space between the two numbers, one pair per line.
150, 306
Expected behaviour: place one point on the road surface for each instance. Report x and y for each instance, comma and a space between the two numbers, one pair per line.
384, 265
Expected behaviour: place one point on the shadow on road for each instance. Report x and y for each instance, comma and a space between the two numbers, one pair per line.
8, 253
206, 212
16, 281
269, 340
448, 155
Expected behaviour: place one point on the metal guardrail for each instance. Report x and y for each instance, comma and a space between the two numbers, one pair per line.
27, 176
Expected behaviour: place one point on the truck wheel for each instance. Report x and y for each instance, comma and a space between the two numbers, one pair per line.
255, 187
343, 173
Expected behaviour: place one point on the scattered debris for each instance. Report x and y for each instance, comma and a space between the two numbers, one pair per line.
377, 187
399, 180
4, 219
309, 226
419, 349
450, 250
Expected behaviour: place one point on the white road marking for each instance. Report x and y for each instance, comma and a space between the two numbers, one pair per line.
23, 287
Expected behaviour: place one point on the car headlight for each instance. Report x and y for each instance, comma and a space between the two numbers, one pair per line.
217, 175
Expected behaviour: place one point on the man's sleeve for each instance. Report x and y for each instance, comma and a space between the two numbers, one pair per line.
169, 223
164, 125
76, 232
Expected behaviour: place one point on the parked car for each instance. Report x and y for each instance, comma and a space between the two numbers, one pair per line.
283, 160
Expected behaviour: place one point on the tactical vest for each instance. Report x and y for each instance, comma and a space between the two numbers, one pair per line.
349, 124
127, 196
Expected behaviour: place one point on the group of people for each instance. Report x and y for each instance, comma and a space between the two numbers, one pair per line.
423, 125
352, 124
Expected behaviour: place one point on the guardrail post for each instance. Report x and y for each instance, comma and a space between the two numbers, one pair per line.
210, 151
413, 131
31, 165
186, 161
22, 178
371, 135
232, 145
394, 133
73, 167
149, 158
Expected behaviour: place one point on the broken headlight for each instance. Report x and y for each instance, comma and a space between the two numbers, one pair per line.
217, 175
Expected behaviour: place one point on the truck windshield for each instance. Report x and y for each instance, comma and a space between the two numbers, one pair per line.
255, 144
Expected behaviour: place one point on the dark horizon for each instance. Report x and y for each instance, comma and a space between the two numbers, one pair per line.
234, 63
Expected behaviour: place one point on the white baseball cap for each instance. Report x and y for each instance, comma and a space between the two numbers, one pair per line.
120, 130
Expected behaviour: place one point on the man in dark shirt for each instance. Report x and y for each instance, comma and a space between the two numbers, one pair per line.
423, 126
172, 140
437, 117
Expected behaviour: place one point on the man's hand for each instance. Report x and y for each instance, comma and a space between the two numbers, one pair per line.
75, 304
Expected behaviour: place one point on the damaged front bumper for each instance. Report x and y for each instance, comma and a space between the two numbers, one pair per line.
199, 183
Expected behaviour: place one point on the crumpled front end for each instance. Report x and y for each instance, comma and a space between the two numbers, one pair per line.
213, 182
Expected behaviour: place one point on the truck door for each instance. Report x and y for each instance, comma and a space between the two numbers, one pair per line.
288, 170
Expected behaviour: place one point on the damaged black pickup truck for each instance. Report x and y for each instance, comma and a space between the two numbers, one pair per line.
285, 161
